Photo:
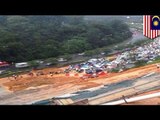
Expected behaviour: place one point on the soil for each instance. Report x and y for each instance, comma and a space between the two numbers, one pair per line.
60, 84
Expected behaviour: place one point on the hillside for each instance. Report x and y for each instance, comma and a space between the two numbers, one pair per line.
24, 38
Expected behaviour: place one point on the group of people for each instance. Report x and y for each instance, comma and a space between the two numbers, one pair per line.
15, 77
32, 74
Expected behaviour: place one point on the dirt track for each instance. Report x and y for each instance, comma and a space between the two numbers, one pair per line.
49, 86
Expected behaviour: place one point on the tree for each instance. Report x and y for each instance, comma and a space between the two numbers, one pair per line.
94, 37
75, 45
25, 38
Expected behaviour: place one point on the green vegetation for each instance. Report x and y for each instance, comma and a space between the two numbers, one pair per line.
33, 64
142, 42
157, 59
51, 60
116, 70
67, 57
26, 38
90, 53
140, 63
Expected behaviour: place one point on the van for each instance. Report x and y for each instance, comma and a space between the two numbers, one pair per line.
21, 65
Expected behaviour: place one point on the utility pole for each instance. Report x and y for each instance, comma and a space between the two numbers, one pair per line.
124, 99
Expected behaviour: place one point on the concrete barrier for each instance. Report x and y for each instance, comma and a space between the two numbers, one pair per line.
134, 99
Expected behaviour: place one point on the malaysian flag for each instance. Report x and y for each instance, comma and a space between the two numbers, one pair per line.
151, 26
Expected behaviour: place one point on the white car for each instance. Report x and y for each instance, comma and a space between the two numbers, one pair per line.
81, 54
1, 71
149, 61
48, 64
92, 60
62, 60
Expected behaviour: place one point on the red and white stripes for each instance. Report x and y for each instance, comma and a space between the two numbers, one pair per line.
147, 28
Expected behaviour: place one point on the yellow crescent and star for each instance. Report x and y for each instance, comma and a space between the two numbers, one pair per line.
156, 22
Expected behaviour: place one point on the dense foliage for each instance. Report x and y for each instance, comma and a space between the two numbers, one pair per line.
24, 38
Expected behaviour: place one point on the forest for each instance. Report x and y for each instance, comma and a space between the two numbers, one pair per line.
25, 38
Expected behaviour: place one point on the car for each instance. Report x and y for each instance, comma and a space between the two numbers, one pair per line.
98, 70
88, 71
62, 60
81, 54
152, 58
48, 64
149, 61
2, 71
92, 60
102, 53
39, 61
22, 65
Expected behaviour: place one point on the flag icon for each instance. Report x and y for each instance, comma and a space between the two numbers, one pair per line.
155, 22
151, 26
